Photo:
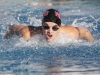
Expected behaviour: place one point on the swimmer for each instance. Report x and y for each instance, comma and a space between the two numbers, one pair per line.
51, 28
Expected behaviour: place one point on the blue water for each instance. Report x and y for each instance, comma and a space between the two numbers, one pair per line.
61, 57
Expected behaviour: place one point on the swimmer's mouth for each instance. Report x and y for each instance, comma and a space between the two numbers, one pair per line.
49, 36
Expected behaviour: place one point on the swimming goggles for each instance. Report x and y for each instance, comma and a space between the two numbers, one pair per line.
55, 28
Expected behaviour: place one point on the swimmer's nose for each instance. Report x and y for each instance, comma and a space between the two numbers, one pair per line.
50, 30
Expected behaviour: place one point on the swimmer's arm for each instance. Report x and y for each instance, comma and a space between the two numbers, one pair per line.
89, 36
13, 29
9, 32
30, 31
86, 34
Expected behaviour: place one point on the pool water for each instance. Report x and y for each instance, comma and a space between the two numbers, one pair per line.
60, 57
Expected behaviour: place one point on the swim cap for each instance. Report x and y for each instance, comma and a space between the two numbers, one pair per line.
52, 15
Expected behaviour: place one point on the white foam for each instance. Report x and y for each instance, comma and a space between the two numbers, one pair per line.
83, 24
37, 22
62, 40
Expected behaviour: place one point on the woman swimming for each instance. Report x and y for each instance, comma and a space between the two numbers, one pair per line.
51, 28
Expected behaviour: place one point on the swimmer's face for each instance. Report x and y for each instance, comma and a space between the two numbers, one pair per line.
50, 30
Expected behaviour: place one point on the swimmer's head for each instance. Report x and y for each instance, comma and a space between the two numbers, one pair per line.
52, 15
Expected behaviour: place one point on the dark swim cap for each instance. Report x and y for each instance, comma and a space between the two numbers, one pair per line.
52, 15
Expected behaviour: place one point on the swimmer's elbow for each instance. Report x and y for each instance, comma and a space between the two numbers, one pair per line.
91, 39
88, 35
27, 38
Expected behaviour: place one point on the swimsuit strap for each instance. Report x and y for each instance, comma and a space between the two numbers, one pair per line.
34, 30
78, 30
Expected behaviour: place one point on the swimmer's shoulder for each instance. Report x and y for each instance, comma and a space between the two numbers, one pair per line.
70, 30
30, 31
66, 28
